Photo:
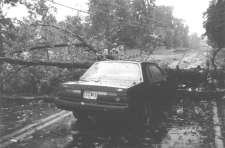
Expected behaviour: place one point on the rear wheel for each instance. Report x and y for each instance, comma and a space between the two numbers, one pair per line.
147, 114
83, 120
80, 116
141, 115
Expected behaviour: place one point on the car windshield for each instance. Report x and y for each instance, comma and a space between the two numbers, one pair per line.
114, 72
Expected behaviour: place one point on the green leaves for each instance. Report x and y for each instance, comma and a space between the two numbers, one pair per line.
121, 21
136, 24
215, 24
12, 2
215, 27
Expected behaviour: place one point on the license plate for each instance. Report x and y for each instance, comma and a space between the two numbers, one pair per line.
90, 95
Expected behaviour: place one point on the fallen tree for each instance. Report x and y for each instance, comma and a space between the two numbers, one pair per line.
44, 63
45, 98
181, 73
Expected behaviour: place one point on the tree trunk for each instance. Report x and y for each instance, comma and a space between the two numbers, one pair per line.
1, 54
214, 57
44, 63
51, 46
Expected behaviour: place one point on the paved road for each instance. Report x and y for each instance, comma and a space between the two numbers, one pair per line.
15, 114
187, 124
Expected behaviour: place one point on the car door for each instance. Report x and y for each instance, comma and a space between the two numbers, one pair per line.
156, 80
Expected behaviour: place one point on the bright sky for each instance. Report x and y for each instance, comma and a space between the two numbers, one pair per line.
79, 4
191, 11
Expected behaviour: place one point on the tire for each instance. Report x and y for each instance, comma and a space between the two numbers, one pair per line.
141, 116
147, 114
82, 118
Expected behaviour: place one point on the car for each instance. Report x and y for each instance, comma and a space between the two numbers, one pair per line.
113, 89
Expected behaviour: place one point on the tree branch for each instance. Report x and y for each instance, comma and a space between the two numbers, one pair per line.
214, 54
57, 45
79, 37
43, 63
13, 73
46, 98
51, 46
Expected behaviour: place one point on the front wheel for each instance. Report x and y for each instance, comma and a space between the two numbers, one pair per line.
80, 116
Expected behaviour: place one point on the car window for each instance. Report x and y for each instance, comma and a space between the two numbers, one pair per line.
114, 72
154, 74
148, 74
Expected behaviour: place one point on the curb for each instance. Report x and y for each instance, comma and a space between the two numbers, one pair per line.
217, 129
32, 128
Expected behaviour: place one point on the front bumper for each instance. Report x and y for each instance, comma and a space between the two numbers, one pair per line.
83, 106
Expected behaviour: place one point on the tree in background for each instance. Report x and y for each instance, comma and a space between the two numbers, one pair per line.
173, 32
136, 24
7, 35
215, 27
122, 21
194, 41
164, 14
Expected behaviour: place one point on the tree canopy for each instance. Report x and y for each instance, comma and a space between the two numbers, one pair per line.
136, 24
215, 26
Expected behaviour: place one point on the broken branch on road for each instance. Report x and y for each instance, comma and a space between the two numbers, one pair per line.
44, 63
45, 98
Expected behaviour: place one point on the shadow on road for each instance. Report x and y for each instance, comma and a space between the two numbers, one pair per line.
186, 124
119, 134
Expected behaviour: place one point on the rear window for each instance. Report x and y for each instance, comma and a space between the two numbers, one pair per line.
115, 72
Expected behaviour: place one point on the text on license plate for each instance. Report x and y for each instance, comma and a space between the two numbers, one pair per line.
90, 95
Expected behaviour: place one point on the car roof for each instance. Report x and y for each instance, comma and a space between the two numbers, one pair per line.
124, 61
117, 61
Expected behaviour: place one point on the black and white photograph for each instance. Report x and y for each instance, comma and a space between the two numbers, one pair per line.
112, 73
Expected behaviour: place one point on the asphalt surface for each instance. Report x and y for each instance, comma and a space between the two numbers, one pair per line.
15, 114
188, 123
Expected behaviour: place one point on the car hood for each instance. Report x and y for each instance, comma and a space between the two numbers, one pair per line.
122, 84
